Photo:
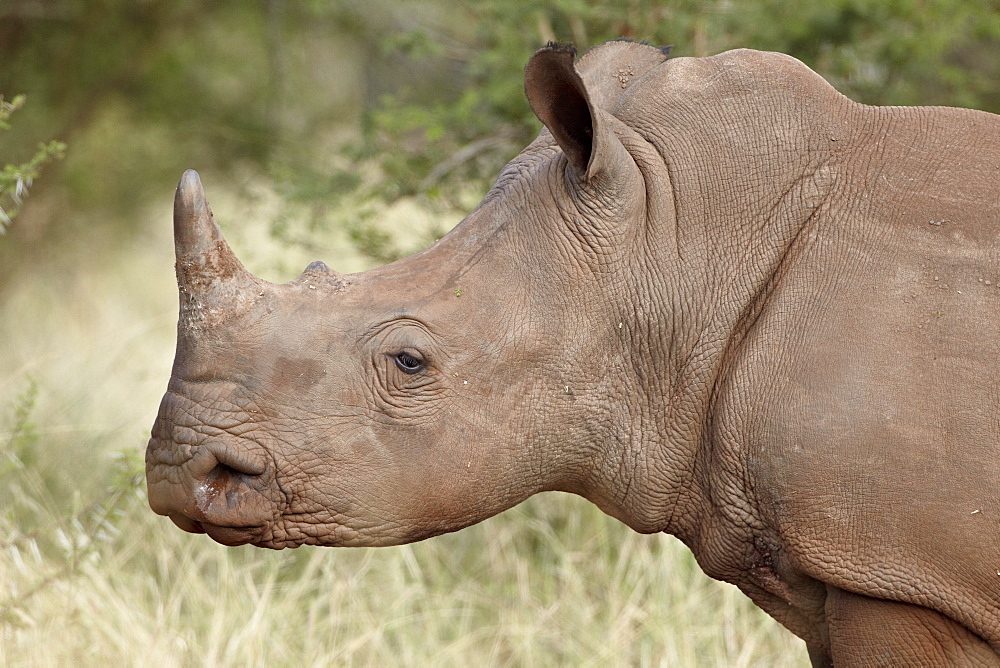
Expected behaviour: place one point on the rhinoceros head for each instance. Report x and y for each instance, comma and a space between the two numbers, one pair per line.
421, 397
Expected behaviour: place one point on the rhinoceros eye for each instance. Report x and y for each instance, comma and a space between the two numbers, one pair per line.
408, 363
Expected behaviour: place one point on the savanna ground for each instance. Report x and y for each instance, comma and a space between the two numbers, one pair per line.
90, 576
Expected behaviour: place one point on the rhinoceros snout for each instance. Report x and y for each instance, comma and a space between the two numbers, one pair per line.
219, 490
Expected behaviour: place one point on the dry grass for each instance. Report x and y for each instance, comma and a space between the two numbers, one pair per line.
553, 582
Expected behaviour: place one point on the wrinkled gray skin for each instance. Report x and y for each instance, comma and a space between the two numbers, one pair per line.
714, 297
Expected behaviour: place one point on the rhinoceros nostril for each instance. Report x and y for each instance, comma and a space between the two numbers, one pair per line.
214, 484
238, 460
226, 497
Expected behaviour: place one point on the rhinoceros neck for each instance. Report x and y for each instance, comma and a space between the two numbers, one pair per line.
744, 195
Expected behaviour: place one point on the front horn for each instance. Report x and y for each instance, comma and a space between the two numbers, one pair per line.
211, 279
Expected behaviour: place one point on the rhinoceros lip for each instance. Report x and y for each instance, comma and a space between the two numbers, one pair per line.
220, 533
231, 536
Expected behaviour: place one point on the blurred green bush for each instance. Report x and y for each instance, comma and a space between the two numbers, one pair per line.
348, 108
15, 179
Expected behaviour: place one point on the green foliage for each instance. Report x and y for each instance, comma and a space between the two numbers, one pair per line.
16, 179
351, 108
439, 139
142, 91
905, 52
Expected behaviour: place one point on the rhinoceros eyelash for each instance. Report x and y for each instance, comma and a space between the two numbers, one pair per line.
408, 363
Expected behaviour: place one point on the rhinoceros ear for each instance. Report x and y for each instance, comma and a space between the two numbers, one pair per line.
559, 99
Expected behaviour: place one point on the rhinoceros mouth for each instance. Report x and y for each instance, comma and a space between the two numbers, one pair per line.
225, 535
218, 529
232, 506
